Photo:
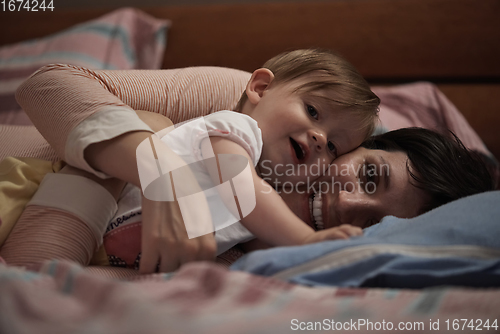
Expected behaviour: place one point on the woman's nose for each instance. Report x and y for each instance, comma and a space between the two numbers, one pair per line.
352, 206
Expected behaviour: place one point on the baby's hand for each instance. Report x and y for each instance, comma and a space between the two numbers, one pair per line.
344, 231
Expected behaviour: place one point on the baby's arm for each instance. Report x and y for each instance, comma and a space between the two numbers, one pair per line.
272, 221
344, 231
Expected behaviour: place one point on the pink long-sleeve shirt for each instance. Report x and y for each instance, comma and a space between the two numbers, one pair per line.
73, 107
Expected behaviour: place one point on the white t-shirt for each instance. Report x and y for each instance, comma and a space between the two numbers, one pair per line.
185, 141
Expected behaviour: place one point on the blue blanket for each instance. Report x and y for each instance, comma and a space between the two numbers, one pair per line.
455, 244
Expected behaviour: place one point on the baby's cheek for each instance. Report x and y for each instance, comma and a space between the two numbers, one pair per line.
312, 172
321, 167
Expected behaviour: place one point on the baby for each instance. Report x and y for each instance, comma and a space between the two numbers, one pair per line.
298, 113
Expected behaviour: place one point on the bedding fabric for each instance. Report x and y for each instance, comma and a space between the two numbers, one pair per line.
123, 39
455, 244
204, 298
422, 104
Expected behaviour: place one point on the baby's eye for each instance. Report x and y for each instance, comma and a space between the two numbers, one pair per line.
312, 111
332, 148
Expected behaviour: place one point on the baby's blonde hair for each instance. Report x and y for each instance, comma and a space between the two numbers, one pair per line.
329, 72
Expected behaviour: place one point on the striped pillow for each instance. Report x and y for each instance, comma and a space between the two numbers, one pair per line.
124, 39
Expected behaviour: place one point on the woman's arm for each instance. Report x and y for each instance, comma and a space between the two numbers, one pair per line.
75, 108
88, 118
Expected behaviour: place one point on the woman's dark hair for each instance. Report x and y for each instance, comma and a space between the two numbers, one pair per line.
442, 166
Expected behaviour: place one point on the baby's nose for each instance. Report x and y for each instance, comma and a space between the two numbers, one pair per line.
318, 139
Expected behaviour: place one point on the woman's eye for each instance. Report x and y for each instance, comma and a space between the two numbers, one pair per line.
332, 148
370, 173
368, 178
312, 111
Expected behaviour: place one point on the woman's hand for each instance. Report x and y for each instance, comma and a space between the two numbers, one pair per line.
165, 242
171, 236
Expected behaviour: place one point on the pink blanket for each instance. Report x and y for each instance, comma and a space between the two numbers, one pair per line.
204, 298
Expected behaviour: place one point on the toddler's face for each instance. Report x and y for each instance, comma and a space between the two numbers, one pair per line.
302, 133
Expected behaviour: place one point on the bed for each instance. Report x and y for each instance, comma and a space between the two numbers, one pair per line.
427, 60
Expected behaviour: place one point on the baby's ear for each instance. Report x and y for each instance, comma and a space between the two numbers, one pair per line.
259, 82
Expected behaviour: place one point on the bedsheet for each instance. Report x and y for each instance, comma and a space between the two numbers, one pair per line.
455, 244
204, 298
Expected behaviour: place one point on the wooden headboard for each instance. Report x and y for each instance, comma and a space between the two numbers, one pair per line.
453, 43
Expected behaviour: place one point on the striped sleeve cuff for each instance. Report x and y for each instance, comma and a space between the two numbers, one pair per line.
80, 196
106, 124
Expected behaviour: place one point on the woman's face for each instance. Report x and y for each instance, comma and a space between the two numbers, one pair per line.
359, 189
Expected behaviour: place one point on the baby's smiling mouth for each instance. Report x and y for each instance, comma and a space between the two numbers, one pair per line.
299, 152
